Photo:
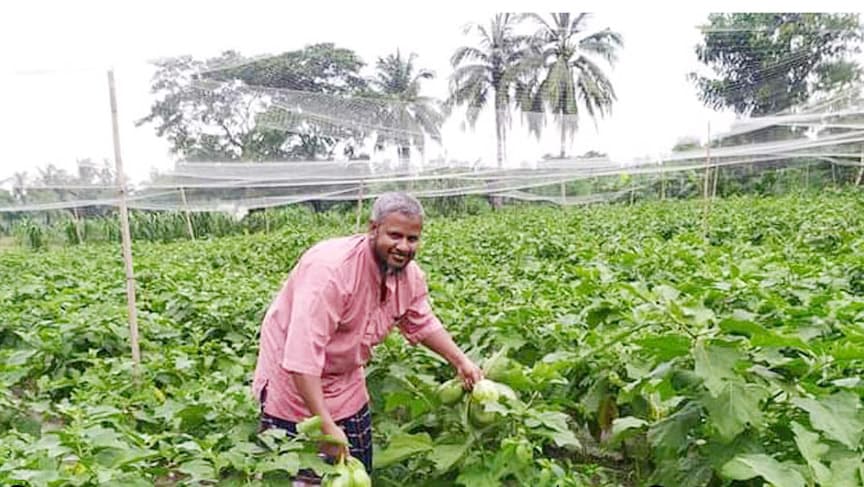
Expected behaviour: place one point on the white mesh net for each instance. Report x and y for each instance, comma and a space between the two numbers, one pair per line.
249, 132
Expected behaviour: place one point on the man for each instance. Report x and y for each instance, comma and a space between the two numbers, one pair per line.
341, 299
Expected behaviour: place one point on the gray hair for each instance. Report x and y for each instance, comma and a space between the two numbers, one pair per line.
396, 202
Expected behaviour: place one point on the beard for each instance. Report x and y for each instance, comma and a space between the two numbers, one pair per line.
383, 259
387, 268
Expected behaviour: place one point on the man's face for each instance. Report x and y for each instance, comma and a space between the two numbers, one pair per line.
395, 239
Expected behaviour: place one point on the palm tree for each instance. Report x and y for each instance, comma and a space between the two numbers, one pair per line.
411, 115
491, 70
19, 187
572, 77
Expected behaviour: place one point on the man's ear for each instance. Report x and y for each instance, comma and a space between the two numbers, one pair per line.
373, 225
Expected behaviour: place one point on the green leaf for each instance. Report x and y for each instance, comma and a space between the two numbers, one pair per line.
666, 347
701, 315
836, 416
736, 407
288, 462
193, 415
50, 442
199, 470
812, 451
127, 481
715, 365
670, 435
100, 437
402, 446
846, 471
444, 456
478, 477
623, 428
18, 357
759, 335
565, 439
745, 467
693, 470
36, 477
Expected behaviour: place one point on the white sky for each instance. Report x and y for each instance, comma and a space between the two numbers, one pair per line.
54, 57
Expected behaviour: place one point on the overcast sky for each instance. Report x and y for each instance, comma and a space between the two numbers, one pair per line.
54, 57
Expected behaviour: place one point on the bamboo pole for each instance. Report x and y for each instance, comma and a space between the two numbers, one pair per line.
716, 177
563, 193
632, 190
77, 222
714, 184
860, 171
359, 209
186, 211
706, 205
663, 185
124, 228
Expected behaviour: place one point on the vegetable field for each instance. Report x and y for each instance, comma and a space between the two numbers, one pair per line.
627, 349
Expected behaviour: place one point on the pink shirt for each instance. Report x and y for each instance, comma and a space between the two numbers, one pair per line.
325, 321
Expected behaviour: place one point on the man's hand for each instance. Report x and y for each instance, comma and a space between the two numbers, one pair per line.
310, 390
469, 373
336, 451
442, 344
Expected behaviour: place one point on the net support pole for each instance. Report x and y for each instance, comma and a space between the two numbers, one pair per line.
77, 221
186, 212
563, 193
860, 171
716, 176
359, 208
706, 202
124, 229
663, 185
632, 190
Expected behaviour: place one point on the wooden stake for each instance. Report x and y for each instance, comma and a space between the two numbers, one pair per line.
860, 171
662, 185
706, 202
563, 193
359, 208
716, 177
124, 228
77, 221
186, 211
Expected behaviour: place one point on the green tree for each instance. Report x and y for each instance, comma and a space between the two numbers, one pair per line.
492, 70
399, 81
570, 71
764, 63
232, 107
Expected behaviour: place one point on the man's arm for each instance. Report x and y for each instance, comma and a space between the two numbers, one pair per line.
309, 387
442, 343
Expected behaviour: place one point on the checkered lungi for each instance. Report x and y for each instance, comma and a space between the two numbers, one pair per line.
358, 429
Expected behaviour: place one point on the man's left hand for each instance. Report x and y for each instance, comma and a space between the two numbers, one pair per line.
469, 373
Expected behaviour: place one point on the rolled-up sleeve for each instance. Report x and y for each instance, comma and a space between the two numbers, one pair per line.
315, 309
419, 322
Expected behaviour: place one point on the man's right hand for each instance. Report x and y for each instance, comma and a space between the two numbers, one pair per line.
310, 390
338, 450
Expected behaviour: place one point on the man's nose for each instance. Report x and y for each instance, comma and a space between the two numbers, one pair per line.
403, 246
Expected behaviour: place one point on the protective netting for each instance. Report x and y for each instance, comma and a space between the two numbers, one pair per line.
247, 133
